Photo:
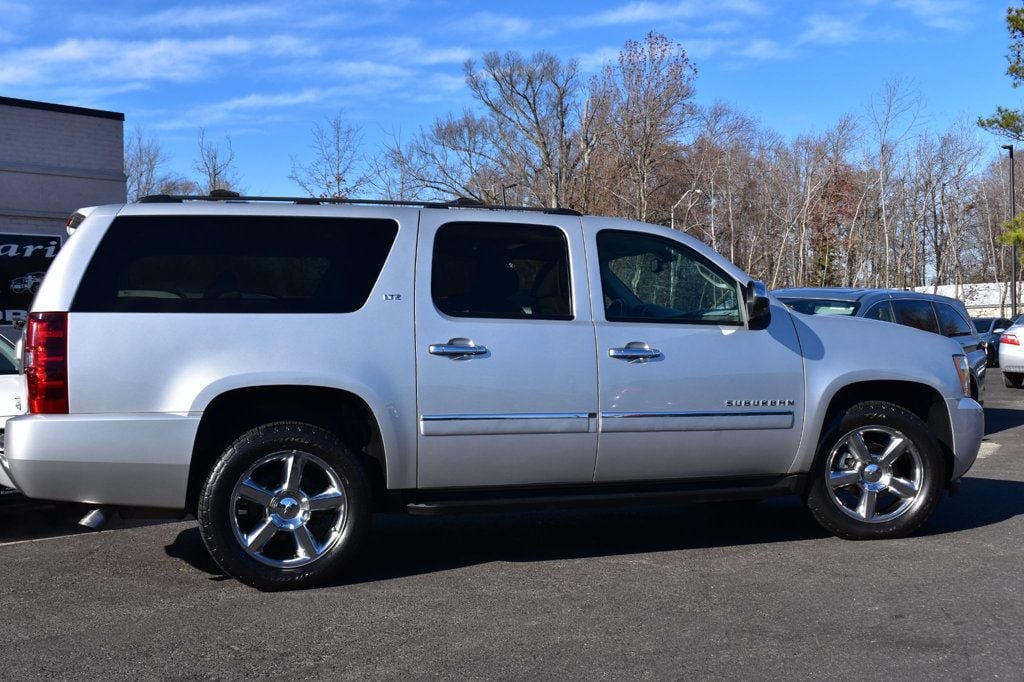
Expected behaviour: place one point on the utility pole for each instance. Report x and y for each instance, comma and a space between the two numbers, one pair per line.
1013, 248
672, 211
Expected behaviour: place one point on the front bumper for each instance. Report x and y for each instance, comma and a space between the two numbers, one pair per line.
112, 459
967, 419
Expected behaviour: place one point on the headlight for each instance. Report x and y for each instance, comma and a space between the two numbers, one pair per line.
964, 370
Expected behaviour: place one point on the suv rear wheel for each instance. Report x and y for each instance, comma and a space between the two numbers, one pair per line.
284, 507
879, 473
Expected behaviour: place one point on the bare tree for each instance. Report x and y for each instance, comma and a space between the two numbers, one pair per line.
650, 87
143, 158
894, 115
215, 165
333, 172
455, 157
534, 106
390, 173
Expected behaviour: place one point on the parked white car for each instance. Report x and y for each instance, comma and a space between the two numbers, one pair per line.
1011, 356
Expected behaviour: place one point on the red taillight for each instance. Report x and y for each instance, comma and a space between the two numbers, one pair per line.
46, 363
1009, 339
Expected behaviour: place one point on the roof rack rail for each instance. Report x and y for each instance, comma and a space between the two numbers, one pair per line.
461, 202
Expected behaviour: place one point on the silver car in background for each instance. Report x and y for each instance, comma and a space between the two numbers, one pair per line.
991, 329
928, 312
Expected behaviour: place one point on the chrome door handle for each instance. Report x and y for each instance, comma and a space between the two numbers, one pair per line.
456, 349
635, 351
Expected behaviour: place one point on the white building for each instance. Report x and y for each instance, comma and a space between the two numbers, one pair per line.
989, 299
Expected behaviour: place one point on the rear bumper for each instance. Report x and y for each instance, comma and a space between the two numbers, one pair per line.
5, 472
967, 419
113, 459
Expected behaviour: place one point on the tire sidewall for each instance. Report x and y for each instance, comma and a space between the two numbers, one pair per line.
876, 413
217, 500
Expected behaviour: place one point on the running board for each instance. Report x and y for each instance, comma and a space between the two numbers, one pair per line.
513, 499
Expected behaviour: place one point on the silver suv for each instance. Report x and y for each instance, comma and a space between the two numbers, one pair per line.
284, 368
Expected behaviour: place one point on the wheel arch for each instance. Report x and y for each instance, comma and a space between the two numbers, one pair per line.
233, 412
920, 399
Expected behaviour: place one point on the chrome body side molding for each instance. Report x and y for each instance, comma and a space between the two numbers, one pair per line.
522, 422
620, 422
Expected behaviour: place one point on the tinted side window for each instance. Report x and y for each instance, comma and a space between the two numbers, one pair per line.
645, 278
917, 314
235, 264
951, 322
880, 311
501, 270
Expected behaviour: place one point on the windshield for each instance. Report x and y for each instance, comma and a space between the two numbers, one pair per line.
821, 306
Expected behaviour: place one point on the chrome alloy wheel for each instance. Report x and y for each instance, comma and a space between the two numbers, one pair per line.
875, 474
288, 509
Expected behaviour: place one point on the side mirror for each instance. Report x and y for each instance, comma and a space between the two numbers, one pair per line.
1000, 330
759, 312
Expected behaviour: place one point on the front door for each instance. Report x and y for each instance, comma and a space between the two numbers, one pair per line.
507, 385
687, 389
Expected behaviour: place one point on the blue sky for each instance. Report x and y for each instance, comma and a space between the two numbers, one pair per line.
264, 71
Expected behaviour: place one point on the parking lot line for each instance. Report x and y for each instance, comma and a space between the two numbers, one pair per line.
988, 449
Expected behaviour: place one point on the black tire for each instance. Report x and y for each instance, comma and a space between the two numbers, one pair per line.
223, 507
840, 507
1013, 379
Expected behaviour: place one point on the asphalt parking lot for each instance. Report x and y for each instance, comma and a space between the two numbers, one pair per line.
702, 591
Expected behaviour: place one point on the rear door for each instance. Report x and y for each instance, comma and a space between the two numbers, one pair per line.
507, 386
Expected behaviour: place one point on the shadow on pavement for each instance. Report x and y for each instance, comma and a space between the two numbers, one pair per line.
401, 546
24, 519
1002, 419
981, 502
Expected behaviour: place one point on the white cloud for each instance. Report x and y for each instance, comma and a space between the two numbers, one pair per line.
415, 51
705, 48
446, 82
595, 60
365, 69
497, 26
830, 30
104, 60
722, 27
255, 102
204, 17
254, 107
642, 11
764, 49
952, 15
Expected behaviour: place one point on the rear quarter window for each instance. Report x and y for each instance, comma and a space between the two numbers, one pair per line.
235, 264
952, 322
915, 313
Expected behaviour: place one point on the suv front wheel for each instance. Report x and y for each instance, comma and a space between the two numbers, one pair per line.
284, 507
879, 473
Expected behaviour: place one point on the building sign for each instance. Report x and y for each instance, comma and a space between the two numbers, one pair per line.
24, 259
